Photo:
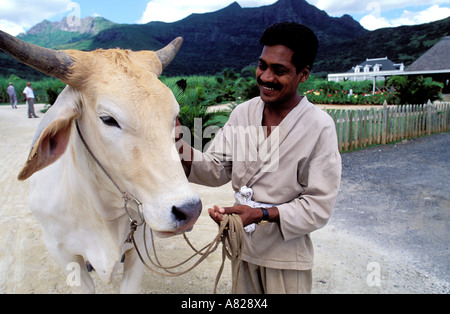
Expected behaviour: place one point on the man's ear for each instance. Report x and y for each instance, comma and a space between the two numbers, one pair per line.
304, 74
53, 133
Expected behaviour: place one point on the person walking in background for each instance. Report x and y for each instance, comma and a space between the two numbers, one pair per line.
29, 95
12, 95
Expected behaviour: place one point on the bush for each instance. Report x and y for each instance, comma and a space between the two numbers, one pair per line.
19, 85
204, 92
415, 89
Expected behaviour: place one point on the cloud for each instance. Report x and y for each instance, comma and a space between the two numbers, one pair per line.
435, 12
431, 14
174, 10
19, 16
371, 22
10, 27
340, 7
374, 12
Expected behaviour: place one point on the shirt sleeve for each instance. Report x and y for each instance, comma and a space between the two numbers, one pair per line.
312, 209
213, 168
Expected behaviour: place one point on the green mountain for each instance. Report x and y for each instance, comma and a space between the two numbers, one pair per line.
229, 38
400, 44
54, 34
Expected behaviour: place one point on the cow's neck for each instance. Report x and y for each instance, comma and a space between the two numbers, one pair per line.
100, 195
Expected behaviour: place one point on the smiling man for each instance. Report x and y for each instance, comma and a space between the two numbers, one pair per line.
287, 184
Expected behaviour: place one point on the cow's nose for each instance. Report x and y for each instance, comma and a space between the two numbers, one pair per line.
179, 214
186, 214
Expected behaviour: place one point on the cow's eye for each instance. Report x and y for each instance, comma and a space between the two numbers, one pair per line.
110, 121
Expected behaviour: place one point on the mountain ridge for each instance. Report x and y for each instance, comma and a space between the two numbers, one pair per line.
229, 38
222, 39
51, 34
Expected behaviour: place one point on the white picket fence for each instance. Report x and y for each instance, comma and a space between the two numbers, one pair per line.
361, 128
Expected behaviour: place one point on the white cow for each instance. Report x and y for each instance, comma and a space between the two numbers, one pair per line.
126, 116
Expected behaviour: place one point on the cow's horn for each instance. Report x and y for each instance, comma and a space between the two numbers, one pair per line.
48, 61
167, 54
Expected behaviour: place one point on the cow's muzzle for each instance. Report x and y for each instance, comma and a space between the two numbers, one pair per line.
186, 214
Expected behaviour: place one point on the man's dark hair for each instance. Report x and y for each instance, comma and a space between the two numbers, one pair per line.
298, 38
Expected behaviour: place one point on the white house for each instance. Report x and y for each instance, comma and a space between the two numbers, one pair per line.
433, 63
371, 69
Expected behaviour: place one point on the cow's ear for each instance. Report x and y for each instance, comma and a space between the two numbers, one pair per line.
53, 133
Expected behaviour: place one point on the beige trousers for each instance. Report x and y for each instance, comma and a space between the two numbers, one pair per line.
254, 279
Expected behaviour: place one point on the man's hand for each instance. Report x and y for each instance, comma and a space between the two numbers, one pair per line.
247, 214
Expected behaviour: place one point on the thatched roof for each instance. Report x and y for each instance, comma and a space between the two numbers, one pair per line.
436, 58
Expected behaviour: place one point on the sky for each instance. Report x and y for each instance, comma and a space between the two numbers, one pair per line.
19, 16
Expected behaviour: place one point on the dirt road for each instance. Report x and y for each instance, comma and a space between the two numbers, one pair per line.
345, 262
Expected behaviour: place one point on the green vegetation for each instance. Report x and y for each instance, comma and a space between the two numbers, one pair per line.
401, 44
202, 92
320, 91
46, 90
196, 94
415, 90
396, 90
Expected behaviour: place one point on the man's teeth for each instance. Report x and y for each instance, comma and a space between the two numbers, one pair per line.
268, 88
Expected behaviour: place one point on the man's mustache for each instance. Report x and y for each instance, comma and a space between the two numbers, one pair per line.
268, 84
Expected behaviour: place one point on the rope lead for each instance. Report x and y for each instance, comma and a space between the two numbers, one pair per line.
231, 235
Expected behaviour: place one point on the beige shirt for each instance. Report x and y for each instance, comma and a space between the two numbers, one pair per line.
297, 166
